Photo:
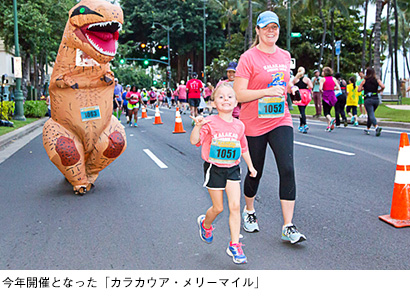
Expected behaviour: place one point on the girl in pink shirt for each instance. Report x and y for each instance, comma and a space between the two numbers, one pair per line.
261, 84
328, 85
223, 142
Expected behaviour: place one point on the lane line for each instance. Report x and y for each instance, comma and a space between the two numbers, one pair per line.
325, 149
155, 159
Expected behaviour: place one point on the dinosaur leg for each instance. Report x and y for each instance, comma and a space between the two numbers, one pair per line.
111, 143
67, 154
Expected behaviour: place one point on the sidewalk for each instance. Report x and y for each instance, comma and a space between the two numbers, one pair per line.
14, 135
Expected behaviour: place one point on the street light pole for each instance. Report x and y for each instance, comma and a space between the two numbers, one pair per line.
18, 94
289, 30
168, 29
204, 42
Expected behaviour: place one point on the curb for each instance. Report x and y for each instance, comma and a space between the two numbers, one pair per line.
362, 121
20, 132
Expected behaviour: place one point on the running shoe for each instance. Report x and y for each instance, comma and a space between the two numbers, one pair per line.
366, 131
356, 124
328, 129
304, 131
130, 124
306, 127
236, 252
332, 124
300, 129
250, 222
378, 131
345, 123
290, 233
135, 125
352, 120
205, 234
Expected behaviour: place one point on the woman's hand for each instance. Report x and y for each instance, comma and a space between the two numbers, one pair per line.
275, 90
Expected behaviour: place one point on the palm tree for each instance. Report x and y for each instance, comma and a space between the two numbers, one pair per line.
366, 5
377, 38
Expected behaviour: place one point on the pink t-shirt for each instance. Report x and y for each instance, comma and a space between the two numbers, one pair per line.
264, 70
181, 92
194, 88
207, 92
222, 142
134, 97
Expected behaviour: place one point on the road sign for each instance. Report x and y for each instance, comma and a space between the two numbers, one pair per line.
295, 35
338, 47
292, 63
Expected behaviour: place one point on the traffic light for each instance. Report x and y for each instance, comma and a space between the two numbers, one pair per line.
190, 70
146, 62
154, 82
122, 61
143, 45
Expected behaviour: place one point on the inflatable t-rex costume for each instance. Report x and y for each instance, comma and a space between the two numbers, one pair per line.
82, 137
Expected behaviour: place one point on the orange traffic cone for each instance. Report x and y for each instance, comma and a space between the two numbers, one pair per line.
179, 128
144, 112
400, 209
157, 120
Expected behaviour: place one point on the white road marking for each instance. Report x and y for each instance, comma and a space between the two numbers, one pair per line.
155, 159
325, 149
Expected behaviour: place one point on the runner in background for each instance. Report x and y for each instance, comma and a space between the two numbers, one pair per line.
341, 100
118, 103
305, 86
125, 102
328, 85
363, 113
134, 103
182, 99
230, 73
317, 95
152, 97
352, 101
194, 88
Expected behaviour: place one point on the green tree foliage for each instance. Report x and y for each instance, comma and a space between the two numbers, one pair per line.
133, 75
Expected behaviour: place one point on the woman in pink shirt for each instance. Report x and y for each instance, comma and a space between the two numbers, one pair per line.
182, 100
328, 85
261, 84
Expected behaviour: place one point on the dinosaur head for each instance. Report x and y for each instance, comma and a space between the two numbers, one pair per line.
93, 27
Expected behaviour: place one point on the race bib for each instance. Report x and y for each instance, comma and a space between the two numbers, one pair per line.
90, 113
271, 107
224, 152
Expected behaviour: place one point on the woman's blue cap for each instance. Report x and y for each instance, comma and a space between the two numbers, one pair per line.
232, 66
266, 18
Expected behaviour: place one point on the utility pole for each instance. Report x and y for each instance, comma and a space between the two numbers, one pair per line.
204, 42
289, 30
18, 94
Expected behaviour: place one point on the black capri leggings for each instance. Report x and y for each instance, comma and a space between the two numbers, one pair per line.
281, 142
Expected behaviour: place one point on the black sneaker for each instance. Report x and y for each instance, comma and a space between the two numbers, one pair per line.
366, 132
378, 131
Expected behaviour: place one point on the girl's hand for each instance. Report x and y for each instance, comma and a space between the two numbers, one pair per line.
252, 172
199, 120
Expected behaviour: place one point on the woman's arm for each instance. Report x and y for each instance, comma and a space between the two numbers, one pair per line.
243, 94
360, 88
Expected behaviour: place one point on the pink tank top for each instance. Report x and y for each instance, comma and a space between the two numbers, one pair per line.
329, 84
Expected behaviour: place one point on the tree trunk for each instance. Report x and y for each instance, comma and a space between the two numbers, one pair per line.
370, 47
269, 5
404, 46
324, 34
390, 46
377, 38
332, 16
250, 24
396, 47
364, 36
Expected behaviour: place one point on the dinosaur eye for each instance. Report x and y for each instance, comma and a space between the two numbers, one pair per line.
84, 10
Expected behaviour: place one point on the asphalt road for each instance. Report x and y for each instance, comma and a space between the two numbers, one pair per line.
143, 216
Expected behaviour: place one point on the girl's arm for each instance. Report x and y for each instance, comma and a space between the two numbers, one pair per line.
381, 86
199, 122
243, 94
248, 161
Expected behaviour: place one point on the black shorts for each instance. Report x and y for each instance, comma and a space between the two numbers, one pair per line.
182, 100
353, 108
115, 106
194, 102
217, 177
